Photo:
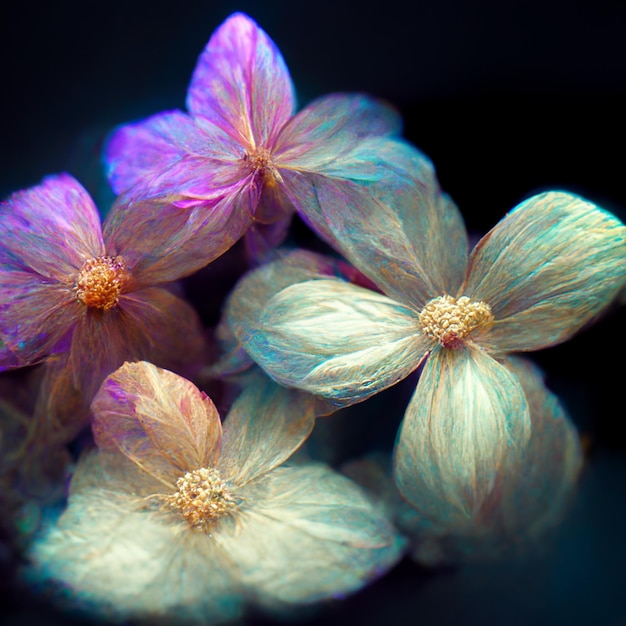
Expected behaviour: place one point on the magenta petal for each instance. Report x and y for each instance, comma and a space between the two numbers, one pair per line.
241, 83
161, 242
35, 318
52, 228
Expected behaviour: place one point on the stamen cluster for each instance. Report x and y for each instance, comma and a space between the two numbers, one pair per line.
100, 282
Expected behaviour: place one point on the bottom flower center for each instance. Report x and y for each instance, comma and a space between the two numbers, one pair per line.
202, 497
100, 282
448, 320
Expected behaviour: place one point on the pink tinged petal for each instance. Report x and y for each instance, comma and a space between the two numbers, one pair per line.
50, 229
334, 339
307, 534
548, 267
265, 426
332, 127
467, 417
241, 83
381, 207
36, 317
161, 242
159, 420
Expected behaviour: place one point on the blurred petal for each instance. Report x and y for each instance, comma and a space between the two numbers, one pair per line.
262, 239
381, 207
121, 562
265, 426
36, 317
169, 153
161, 242
467, 416
548, 267
50, 229
241, 83
159, 420
330, 128
321, 537
335, 339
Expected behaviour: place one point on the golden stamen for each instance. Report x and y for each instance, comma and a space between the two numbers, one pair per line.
100, 282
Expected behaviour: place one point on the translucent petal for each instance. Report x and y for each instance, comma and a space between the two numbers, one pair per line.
162, 242
335, 339
159, 420
467, 416
265, 426
170, 153
381, 207
547, 268
50, 229
320, 537
36, 317
121, 560
330, 128
241, 83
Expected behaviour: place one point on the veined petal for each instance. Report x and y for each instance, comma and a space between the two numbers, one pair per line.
50, 229
36, 317
381, 207
335, 339
265, 426
159, 420
467, 416
321, 537
241, 83
161, 242
547, 268
331, 127
160, 152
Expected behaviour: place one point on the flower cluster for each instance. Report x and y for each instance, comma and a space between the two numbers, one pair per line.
171, 514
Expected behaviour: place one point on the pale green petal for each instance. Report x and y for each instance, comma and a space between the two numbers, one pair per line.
335, 339
547, 268
467, 416
265, 426
307, 534
119, 561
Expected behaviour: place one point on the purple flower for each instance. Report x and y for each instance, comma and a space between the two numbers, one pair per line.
240, 159
70, 295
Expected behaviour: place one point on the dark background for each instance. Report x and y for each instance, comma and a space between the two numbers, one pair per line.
508, 98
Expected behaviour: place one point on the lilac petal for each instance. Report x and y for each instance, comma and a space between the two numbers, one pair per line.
548, 267
36, 316
381, 207
335, 339
159, 420
332, 127
166, 145
467, 416
262, 239
265, 426
241, 83
51, 229
161, 242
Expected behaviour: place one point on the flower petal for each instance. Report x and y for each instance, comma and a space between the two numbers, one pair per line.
50, 229
321, 537
159, 420
335, 339
467, 416
381, 207
241, 83
265, 426
547, 268
169, 153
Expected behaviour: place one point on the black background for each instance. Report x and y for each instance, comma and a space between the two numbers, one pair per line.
507, 98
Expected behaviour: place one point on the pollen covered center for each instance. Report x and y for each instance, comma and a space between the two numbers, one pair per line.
449, 320
202, 497
259, 160
100, 282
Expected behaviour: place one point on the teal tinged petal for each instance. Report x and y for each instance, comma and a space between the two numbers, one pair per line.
548, 267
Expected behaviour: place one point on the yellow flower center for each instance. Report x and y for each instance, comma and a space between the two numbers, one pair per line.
202, 498
259, 161
449, 320
100, 282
